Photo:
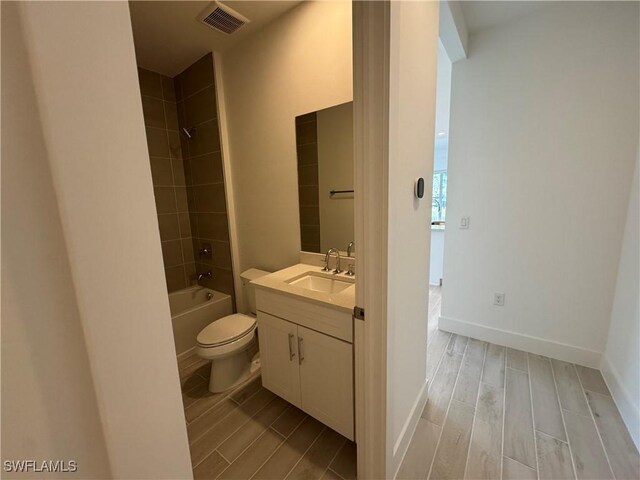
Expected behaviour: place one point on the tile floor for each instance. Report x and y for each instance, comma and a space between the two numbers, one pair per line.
494, 413
251, 433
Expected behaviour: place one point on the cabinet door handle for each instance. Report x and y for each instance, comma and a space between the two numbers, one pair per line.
291, 352
300, 355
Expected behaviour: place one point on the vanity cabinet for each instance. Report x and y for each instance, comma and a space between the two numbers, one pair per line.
308, 368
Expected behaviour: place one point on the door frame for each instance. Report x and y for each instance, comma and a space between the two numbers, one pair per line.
371, 34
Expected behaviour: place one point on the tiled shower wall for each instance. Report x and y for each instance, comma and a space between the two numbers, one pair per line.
197, 111
198, 214
307, 149
167, 171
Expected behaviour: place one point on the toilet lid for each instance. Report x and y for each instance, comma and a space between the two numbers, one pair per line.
226, 329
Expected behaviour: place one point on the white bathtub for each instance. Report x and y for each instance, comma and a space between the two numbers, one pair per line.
191, 311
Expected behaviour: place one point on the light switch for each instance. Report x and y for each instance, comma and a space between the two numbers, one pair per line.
464, 222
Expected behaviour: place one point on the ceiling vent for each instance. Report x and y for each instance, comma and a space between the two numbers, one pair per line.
222, 18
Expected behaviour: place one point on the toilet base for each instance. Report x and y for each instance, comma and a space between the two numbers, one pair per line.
231, 371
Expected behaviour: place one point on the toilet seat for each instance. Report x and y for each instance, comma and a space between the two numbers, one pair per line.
226, 330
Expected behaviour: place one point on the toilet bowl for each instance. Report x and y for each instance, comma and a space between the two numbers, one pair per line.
230, 342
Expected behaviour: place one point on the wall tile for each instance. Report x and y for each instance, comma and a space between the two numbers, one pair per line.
153, 111
197, 76
172, 253
177, 83
201, 107
168, 88
307, 154
309, 215
306, 133
161, 171
171, 115
165, 199
210, 198
178, 172
168, 225
207, 169
175, 278
150, 83
190, 273
181, 199
308, 196
310, 234
187, 250
206, 139
213, 225
308, 175
184, 224
157, 142
309, 117
175, 145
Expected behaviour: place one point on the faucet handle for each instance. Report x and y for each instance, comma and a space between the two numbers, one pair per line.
351, 270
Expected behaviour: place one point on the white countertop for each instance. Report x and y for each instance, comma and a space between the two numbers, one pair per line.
277, 282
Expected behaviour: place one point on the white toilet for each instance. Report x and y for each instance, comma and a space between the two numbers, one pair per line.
230, 342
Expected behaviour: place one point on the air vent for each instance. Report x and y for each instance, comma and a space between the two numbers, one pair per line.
222, 18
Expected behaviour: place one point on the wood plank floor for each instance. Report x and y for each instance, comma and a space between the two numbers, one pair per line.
251, 433
499, 413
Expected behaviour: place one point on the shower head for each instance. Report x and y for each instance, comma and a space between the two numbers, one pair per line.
189, 131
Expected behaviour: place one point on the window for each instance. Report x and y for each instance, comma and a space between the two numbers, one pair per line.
439, 200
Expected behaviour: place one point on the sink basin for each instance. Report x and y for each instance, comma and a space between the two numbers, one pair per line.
318, 283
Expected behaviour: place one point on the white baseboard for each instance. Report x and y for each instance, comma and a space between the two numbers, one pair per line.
540, 346
408, 429
623, 400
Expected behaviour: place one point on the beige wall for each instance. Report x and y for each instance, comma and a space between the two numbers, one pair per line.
92, 124
412, 102
296, 65
543, 139
335, 172
621, 359
49, 405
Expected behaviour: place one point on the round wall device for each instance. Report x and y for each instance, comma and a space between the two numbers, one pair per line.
420, 187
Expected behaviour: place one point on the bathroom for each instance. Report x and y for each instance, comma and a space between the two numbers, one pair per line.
250, 142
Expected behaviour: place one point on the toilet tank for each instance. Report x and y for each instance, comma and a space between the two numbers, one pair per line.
249, 290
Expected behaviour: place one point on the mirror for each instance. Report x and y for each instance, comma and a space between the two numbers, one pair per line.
324, 144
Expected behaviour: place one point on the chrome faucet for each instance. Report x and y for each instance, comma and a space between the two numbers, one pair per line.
328, 256
350, 248
207, 274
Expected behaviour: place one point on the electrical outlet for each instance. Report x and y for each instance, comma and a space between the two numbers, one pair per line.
498, 299
464, 222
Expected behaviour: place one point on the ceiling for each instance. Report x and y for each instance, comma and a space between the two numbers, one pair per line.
168, 37
480, 15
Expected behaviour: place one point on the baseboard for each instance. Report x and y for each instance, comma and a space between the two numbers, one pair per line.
402, 444
623, 400
540, 346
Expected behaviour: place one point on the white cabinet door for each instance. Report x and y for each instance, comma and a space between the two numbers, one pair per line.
279, 357
326, 379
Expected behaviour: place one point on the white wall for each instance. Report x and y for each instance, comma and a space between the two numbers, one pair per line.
298, 64
621, 360
91, 116
543, 138
436, 261
335, 172
49, 405
412, 92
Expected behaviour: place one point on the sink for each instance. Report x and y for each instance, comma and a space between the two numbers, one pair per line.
319, 283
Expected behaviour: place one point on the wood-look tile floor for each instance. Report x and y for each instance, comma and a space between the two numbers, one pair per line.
251, 433
498, 413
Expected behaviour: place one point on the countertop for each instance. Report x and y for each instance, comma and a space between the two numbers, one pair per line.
277, 282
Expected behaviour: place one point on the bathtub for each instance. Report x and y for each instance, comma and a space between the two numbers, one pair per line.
191, 311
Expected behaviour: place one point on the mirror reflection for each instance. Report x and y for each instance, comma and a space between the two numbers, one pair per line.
324, 144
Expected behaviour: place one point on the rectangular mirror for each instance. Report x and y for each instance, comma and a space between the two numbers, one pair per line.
324, 143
